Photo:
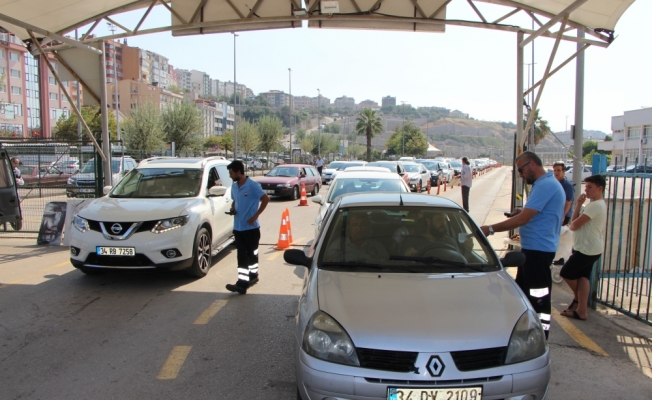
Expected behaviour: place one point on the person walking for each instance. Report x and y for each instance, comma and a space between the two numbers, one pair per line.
249, 201
559, 170
466, 177
588, 243
319, 164
539, 223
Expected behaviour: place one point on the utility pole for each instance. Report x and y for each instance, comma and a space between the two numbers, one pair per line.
318, 122
113, 28
291, 155
235, 133
403, 130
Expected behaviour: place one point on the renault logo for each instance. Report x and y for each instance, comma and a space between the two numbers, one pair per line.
435, 366
116, 228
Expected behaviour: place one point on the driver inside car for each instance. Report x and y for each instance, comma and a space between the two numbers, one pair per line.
431, 230
356, 245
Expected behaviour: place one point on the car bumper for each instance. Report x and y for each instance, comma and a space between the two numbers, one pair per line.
413, 186
149, 247
83, 192
281, 192
317, 379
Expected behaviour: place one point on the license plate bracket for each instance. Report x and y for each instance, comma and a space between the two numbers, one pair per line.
115, 251
431, 393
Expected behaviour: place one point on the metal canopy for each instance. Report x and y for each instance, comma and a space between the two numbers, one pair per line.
597, 18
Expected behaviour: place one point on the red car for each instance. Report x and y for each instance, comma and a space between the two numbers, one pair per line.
285, 180
45, 176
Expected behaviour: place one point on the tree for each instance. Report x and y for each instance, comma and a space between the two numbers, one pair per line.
143, 129
183, 124
248, 138
541, 127
408, 133
66, 128
300, 135
589, 147
368, 124
226, 141
270, 130
212, 142
307, 144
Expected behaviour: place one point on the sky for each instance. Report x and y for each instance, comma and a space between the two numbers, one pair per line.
469, 69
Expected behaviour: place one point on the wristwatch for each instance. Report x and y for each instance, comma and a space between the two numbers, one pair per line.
491, 230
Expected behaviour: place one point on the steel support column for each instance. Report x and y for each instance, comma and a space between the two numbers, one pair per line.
579, 118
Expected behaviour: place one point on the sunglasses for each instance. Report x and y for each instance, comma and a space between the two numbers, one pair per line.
520, 170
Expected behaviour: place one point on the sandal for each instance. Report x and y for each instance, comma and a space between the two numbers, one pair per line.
573, 314
570, 306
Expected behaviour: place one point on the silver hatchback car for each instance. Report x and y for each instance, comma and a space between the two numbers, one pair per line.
404, 299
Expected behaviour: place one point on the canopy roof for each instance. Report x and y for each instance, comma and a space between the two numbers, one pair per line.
187, 17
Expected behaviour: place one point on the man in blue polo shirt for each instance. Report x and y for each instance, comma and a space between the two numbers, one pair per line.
538, 222
249, 201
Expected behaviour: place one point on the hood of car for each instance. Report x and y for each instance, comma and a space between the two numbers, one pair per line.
425, 313
414, 174
116, 210
275, 180
329, 170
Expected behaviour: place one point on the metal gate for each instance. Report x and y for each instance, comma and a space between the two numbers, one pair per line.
623, 280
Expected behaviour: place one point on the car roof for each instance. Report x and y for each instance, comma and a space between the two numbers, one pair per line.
368, 169
367, 199
174, 162
294, 165
376, 174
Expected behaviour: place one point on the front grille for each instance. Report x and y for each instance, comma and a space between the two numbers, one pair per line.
86, 183
146, 226
268, 186
472, 360
387, 360
441, 382
139, 260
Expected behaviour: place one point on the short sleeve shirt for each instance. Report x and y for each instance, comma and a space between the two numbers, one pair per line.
466, 175
247, 199
589, 239
320, 163
569, 190
541, 233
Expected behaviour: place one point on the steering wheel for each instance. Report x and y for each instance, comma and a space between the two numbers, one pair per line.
444, 251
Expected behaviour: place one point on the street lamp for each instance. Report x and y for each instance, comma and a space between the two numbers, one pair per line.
291, 155
235, 134
113, 28
403, 130
318, 122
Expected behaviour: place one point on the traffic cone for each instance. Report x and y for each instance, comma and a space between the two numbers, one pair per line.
283, 239
287, 219
304, 199
428, 186
438, 186
445, 182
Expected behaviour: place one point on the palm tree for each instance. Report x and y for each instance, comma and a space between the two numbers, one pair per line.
541, 127
368, 124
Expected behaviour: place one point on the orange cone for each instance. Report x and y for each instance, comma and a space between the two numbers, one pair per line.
438, 186
304, 199
428, 186
283, 239
289, 224
445, 182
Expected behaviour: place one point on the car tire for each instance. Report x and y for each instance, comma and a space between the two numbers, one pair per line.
201, 254
295, 193
90, 271
315, 190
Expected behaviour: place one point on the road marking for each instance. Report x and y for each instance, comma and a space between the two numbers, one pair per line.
577, 334
41, 272
210, 312
175, 361
274, 255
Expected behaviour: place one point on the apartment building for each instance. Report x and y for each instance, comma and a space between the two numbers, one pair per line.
368, 104
218, 116
301, 102
131, 93
277, 98
200, 83
389, 101
458, 114
631, 137
183, 79
345, 102
320, 101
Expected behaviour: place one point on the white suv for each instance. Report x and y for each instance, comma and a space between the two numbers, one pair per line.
166, 213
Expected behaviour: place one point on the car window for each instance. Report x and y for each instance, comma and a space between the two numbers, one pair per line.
284, 171
396, 239
159, 183
411, 168
371, 184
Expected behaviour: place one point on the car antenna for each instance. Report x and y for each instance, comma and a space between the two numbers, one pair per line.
400, 196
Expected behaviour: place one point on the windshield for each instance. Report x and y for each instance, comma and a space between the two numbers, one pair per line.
371, 184
406, 239
284, 171
89, 168
159, 182
345, 166
412, 168
456, 164
335, 165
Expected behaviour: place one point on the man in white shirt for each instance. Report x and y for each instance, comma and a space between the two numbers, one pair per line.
319, 164
466, 178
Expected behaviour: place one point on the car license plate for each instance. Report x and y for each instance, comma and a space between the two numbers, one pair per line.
269, 191
413, 393
86, 190
116, 251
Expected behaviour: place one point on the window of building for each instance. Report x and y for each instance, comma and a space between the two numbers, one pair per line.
647, 131
15, 73
15, 90
18, 109
54, 96
52, 80
634, 132
14, 56
2, 53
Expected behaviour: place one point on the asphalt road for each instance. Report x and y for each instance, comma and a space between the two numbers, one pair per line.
163, 335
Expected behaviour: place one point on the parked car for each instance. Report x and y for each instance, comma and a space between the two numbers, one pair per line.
252, 163
586, 172
372, 181
436, 174
639, 169
82, 184
345, 165
418, 176
394, 166
327, 171
165, 214
407, 159
285, 180
376, 321
43, 176
446, 170
457, 167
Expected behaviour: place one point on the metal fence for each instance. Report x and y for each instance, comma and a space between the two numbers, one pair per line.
623, 278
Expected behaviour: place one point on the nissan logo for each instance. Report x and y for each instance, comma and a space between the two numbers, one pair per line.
116, 228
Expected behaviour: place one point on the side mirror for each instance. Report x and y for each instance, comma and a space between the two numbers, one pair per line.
297, 257
317, 199
106, 189
216, 191
513, 259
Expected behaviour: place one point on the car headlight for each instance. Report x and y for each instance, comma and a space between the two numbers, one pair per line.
283, 185
80, 223
165, 225
325, 339
528, 340
71, 181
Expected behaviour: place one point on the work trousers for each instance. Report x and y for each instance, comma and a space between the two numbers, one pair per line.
535, 280
246, 242
465, 197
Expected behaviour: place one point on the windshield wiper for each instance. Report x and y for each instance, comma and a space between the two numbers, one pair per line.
436, 261
351, 264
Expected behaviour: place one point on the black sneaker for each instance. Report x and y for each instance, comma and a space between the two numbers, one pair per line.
253, 280
241, 289
558, 262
